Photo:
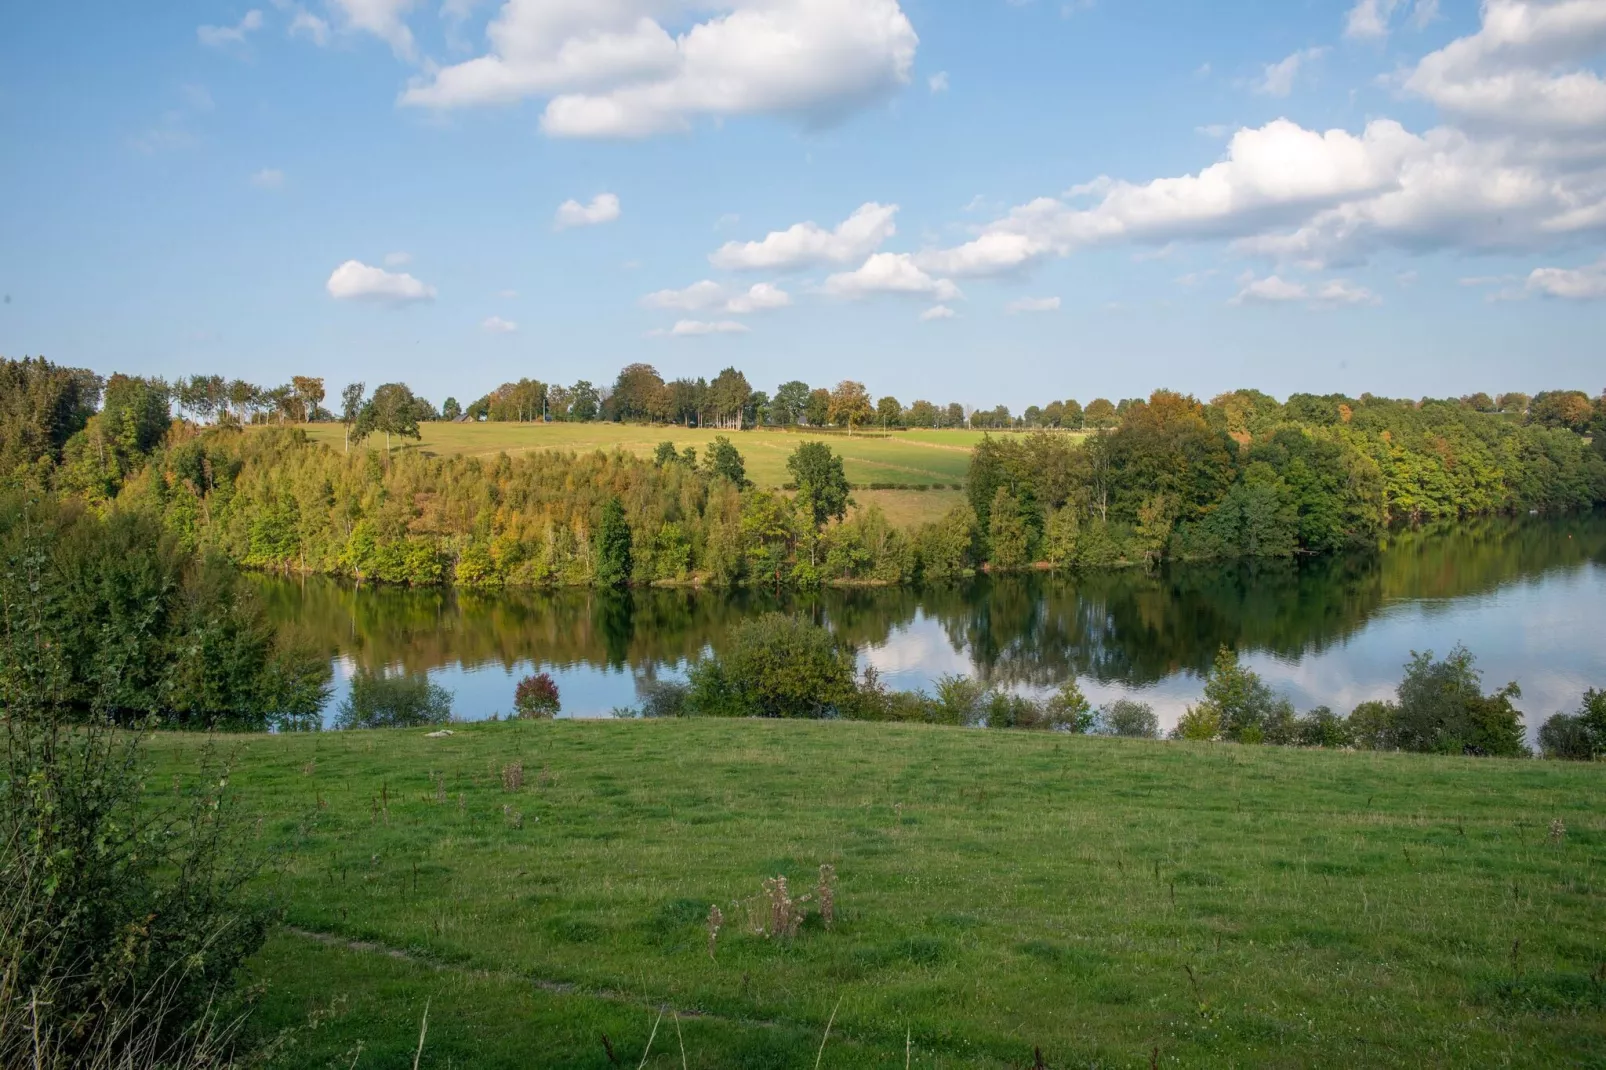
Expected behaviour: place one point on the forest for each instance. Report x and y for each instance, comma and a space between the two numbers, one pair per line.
1242, 476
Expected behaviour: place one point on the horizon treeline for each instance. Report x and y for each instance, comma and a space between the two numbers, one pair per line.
639, 394
1243, 476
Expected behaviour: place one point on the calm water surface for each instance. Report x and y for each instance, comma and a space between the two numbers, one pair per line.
1527, 596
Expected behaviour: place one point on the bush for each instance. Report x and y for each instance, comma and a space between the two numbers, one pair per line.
536, 696
1442, 709
1580, 736
144, 627
1371, 726
1244, 708
380, 701
1124, 717
1322, 727
1564, 736
776, 666
123, 919
662, 698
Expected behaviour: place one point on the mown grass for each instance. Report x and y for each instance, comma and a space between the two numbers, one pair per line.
997, 892
923, 458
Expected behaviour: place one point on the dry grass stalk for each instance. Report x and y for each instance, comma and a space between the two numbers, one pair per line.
513, 776
310, 768
785, 914
1558, 831
514, 818
715, 920
825, 893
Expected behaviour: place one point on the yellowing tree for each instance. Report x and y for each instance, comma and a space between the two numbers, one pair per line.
850, 404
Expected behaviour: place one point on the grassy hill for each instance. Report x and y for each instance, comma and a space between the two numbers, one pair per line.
1109, 902
933, 459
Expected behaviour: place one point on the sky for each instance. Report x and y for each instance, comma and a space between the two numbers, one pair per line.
988, 201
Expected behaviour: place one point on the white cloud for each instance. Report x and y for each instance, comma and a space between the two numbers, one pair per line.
759, 297
303, 23
610, 69
1278, 78
507, 295
398, 259
1575, 284
604, 208
224, 36
1369, 19
937, 312
1343, 292
385, 19
1523, 69
696, 328
807, 244
356, 281
1276, 290
268, 178
1280, 172
889, 273
498, 325
700, 296
938, 83
1033, 304
1302, 196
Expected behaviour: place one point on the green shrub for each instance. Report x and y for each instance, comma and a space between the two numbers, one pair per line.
377, 700
123, 918
1124, 717
775, 666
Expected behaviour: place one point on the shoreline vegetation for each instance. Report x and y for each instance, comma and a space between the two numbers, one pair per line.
1162, 479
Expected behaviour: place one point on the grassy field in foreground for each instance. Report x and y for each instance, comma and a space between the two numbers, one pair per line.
1110, 902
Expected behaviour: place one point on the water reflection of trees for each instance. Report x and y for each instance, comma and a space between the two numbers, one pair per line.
1129, 626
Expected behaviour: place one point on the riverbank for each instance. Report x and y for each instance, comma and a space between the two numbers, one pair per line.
994, 892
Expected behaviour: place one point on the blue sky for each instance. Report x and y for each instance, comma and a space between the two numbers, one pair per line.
971, 200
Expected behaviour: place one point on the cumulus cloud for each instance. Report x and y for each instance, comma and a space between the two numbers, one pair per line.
1524, 68
268, 178
1370, 19
1278, 78
1277, 173
701, 296
498, 325
384, 19
938, 83
889, 273
1033, 304
1276, 290
304, 23
604, 208
1574, 284
224, 36
612, 70
696, 328
356, 281
937, 312
808, 244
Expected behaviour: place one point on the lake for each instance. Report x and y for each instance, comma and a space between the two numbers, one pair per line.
1526, 595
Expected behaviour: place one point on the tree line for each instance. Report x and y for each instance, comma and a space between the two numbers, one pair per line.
1243, 476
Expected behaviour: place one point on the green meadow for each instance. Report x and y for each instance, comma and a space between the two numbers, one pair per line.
541, 886
916, 458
